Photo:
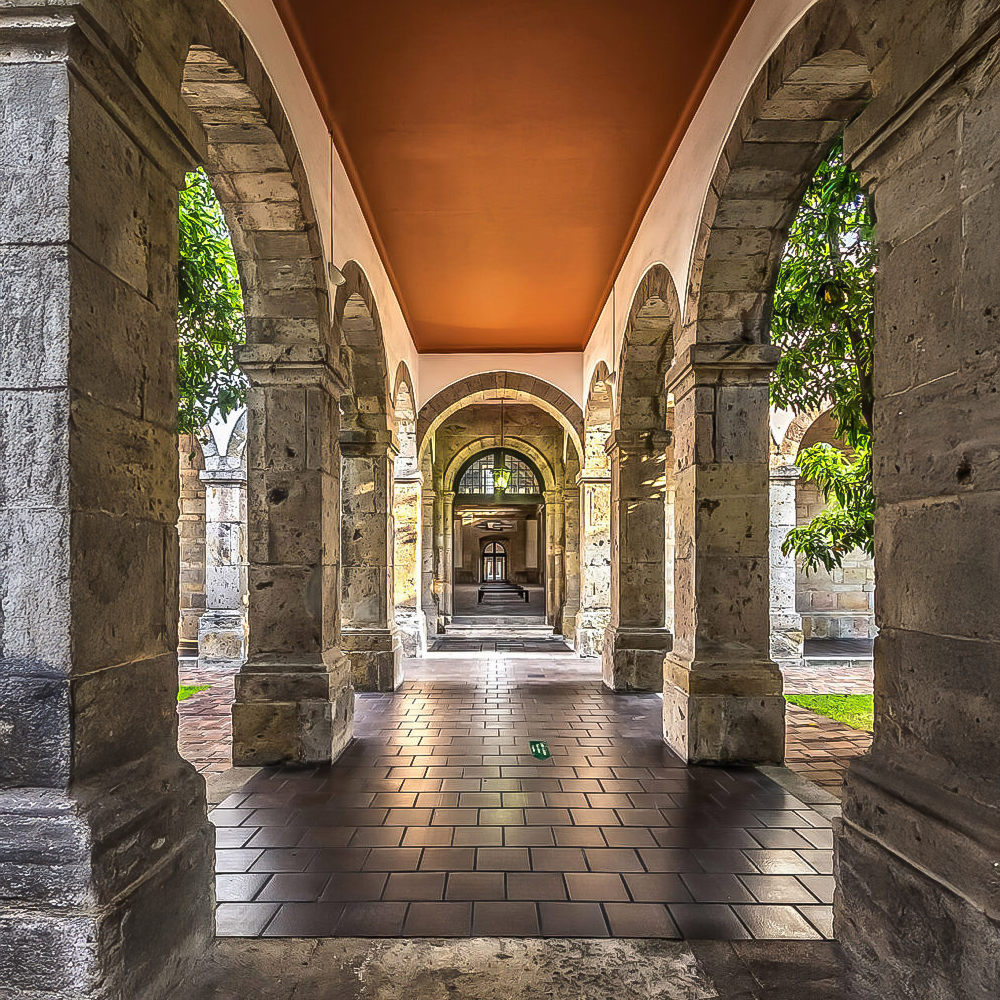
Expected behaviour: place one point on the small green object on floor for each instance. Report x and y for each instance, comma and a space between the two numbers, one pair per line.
186, 690
540, 749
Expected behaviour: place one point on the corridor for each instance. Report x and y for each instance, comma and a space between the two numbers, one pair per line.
439, 822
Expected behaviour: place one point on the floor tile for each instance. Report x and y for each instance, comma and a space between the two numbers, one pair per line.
770, 923
450, 919
640, 920
243, 919
505, 919
573, 920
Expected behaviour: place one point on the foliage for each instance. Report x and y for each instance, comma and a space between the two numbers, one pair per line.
854, 710
210, 313
185, 691
822, 320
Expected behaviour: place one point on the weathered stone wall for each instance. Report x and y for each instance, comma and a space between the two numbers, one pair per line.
191, 533
837, 603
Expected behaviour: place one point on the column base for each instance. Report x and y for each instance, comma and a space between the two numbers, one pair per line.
633, 658
376, 657
724, 712
569, 624
292, 712
590, 631
412, 626
108, 887
221, 639
916, 908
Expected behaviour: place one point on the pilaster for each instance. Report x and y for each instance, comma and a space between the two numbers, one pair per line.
636, 638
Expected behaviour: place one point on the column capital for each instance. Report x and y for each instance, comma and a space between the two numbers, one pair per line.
721, 364
224, 477
301, 366
785, 473
593, 477
361, 443
638, 442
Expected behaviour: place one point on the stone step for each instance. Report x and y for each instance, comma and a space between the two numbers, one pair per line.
499, 627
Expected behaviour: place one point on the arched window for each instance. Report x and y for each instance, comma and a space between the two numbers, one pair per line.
477, 477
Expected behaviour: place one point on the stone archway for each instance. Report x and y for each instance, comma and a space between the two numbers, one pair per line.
641, 453
813, 85
102, 116
369, 449
595, 516
290, 361
407, 509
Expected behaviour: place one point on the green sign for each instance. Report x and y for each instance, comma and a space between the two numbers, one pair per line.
540, 749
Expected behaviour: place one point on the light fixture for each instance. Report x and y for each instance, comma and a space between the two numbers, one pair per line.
501, 474
337, 276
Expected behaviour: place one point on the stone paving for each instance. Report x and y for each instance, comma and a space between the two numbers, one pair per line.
438, 821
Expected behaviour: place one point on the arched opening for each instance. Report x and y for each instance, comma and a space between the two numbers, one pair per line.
640, 447
474, 438
407, 518
494, 563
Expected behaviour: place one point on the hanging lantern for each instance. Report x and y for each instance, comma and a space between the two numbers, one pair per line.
501, 474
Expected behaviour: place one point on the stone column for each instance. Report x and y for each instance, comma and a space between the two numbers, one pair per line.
571, 562
786, 623
636, 637
294, 701
448, 555
105, 848
595, 557
722, 698
555, 526
368, 628
222, 629
918, 853
407, 563
428, 590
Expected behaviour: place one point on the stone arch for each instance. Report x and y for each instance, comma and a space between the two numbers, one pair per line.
494, 385
489, 442
785, 451
362, 352
816, 82
597, 419
646, 353
255, 169
404, 416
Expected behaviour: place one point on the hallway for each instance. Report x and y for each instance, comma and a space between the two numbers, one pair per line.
438, 821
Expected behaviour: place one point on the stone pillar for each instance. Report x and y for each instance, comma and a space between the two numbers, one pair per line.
294, 701
786, 623
636, 637
105, 848
428, 589
555, 526
222, 629
448, 555
595, 557
407, 563
571, 561
918, 852
368, 628
722, 700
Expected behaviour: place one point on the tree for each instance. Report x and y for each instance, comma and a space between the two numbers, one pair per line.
822, 320
210, 310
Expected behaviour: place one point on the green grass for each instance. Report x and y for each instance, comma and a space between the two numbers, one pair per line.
186, 690
854, 710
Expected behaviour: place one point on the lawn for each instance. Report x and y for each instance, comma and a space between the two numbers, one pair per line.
186, 690
854, 710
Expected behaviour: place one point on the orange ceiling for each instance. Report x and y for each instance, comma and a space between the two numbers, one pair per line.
504, 151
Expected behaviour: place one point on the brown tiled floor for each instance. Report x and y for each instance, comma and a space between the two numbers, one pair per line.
820, 749
437, 821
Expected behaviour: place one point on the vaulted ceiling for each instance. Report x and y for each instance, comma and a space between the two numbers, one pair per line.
505, 151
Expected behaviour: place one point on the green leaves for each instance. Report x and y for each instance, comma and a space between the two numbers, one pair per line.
210, 310
822, 320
